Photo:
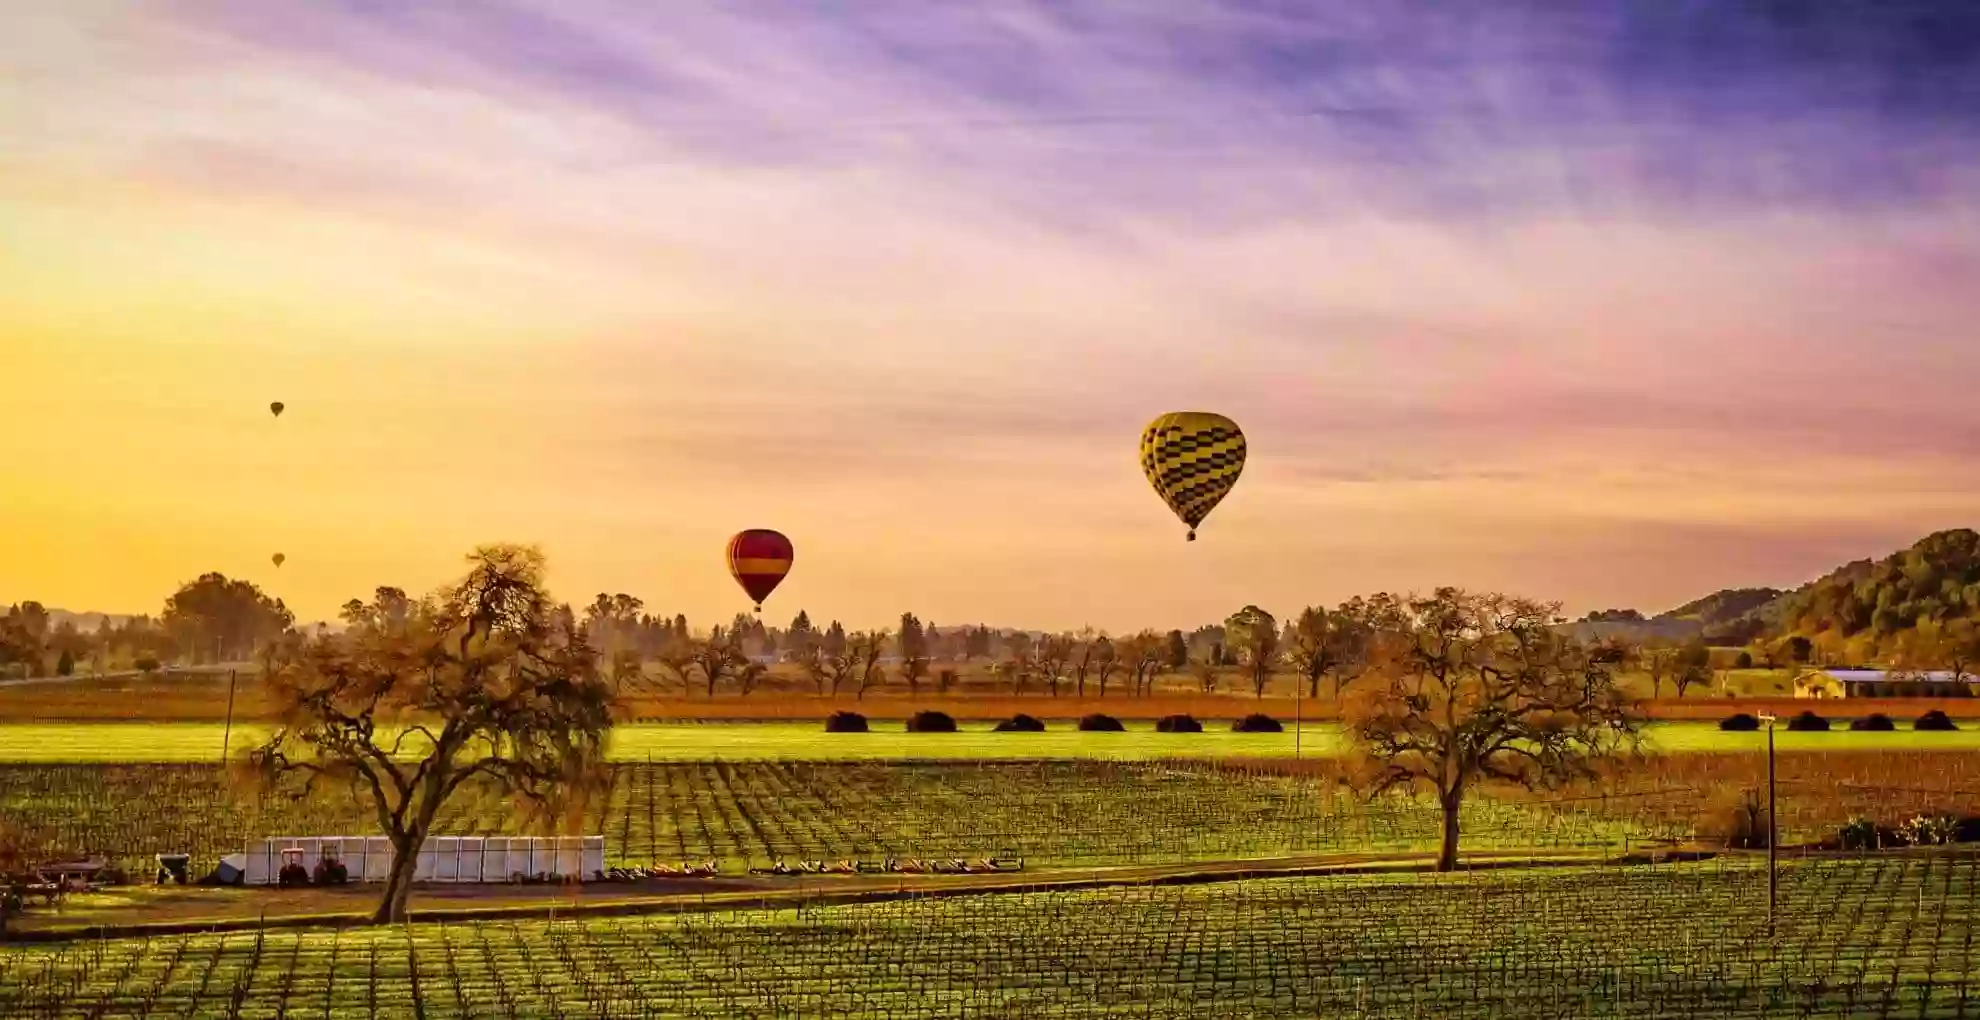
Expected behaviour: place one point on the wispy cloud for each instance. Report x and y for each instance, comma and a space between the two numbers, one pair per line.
1657, 268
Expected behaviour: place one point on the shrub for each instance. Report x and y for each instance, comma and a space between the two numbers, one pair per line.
1808, 722
1744, 661
845, 722
1928, 830
1097, 723
1738, 823
1967, 830
1739, 722
1020, 723
1935, 720
1859, 833
1257, 722
66, 665
1177, 724
1874, 721
146, 665
931, 722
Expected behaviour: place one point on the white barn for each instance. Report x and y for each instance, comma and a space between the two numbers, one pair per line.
1880, 683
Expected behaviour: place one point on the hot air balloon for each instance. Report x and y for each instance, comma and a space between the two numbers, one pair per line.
277, 559
276, 408
759, 558
1192, 458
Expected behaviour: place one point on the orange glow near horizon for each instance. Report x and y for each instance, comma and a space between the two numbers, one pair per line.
501, 311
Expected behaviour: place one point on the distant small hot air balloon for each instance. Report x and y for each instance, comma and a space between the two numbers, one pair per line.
276, 408
758, 559
277, 559
1192, 458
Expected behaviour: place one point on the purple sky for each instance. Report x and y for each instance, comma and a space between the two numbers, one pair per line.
1615, 304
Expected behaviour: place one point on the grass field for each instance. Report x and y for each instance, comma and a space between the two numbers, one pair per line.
1887, 938
105, 742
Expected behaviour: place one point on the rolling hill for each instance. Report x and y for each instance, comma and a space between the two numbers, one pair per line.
1936, 579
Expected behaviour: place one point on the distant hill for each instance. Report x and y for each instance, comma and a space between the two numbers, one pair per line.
1870, 601
1936, 580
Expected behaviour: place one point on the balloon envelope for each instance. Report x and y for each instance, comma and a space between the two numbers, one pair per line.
758, 560
276, 408
278, 558
1192, 458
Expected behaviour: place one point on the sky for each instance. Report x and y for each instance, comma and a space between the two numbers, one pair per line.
1610, 303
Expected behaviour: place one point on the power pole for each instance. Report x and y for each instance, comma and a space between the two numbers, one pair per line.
227, 735
1773, 829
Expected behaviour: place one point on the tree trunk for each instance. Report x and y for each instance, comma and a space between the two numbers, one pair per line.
1313, 687
1447, 852
398, 882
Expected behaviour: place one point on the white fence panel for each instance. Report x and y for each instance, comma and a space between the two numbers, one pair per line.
377, 859
442, 859
446, 858
470, 851
495, 859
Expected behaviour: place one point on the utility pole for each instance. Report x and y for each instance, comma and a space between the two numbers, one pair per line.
1773, 830
1299, 716
227, 735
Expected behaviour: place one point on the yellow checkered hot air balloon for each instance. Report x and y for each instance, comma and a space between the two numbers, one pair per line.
1192, 458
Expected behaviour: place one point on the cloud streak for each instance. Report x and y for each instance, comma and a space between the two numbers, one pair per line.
1574, 275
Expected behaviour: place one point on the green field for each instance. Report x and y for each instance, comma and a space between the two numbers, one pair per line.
25, 743
1889, 938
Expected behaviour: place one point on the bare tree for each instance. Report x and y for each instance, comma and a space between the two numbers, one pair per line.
864, 648
718, 656
1659, 660
1481, 688
749, 675
828, 669
1019, 662
488, 683
677, 656
1149, 654
1254, 636
1082, 660
1053, 654
1106, 659
1336, 642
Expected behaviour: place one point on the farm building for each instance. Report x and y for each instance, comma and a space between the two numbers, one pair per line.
472, 859
1882, 683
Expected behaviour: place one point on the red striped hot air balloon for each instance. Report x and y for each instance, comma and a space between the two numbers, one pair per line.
759, 558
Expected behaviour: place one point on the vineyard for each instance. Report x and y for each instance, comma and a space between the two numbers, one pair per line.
1084, 812
742, 814
1879, 938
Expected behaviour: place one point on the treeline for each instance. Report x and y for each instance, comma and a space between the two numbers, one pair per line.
208, 620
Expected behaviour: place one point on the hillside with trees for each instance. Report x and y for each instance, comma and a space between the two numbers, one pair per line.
1889, 609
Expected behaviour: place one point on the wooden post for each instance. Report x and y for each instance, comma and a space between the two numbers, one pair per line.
227, 735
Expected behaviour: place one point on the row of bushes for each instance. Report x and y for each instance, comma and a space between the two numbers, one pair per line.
1809, 722
942, 722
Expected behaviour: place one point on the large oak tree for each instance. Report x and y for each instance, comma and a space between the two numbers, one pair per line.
487, 681
1469, 689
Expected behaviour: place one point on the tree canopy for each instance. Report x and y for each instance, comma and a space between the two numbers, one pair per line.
1467, 689
486, 680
